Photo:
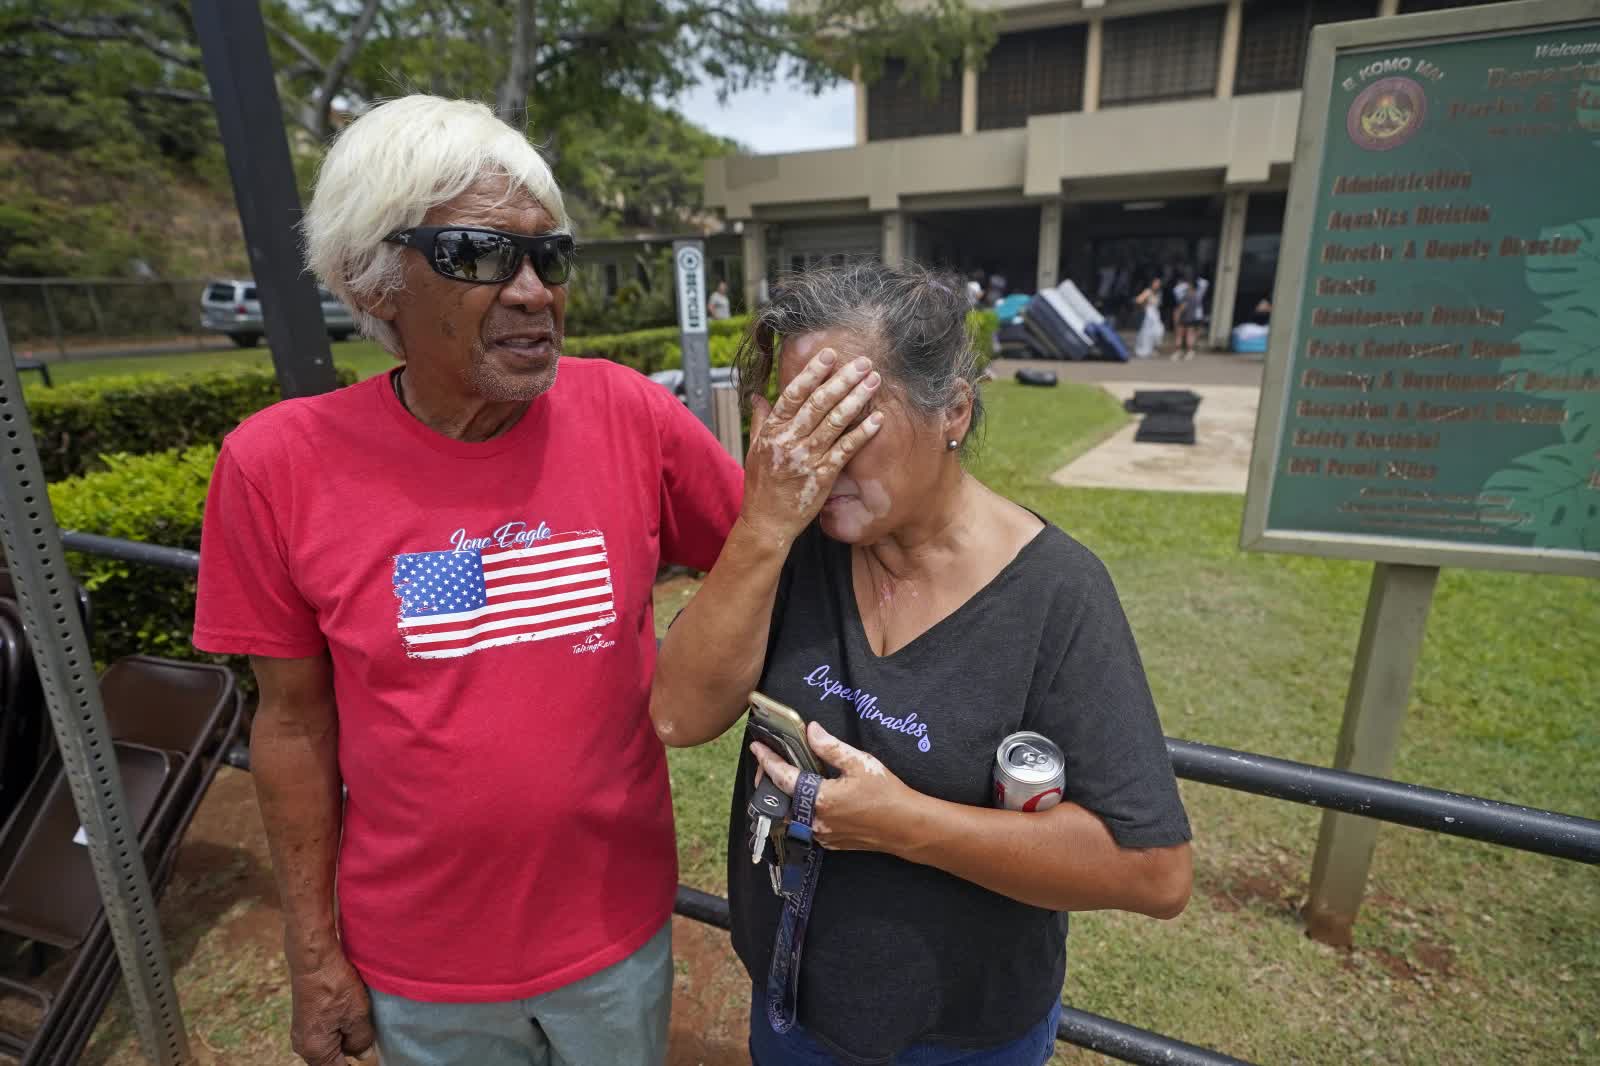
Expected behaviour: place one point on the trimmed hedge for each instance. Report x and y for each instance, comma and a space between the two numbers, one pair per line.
137, 414
649, 350
723, 349
158, 499
982, 326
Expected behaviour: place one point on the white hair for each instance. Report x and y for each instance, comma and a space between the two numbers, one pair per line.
387, 169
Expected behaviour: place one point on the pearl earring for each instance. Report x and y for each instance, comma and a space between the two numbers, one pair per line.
952, 444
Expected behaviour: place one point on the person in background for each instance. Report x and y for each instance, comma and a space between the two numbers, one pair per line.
718, 306
916, 618
1106, 278
442, 576
1151, 330
997, 289
1189, 315
975, 289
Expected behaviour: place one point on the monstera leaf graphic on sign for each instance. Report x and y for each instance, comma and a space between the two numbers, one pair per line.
1555, 485
1552, 488
1565, 342
1588, 112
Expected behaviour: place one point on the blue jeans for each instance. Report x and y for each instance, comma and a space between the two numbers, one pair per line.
798, 1048
617, 1016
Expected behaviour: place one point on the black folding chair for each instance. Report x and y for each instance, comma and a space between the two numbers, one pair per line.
170, 723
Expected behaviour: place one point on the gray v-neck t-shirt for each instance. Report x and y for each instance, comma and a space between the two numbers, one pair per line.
897, 953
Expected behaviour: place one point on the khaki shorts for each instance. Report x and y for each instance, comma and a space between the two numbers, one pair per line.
617, 1016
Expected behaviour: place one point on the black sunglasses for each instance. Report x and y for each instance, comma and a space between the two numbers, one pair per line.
489, 256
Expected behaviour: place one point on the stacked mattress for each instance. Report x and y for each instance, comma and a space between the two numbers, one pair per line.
1062, 324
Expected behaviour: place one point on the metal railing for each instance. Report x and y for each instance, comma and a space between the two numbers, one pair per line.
61, 317
1562, 836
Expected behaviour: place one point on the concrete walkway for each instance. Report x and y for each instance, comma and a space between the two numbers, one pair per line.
1219, 459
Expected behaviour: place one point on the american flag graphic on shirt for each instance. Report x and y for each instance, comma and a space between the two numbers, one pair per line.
453, 603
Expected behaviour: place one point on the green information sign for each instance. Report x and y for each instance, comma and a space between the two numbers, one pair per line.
1432, 393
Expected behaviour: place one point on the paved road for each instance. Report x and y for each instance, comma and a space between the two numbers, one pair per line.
1203, 369
172, 346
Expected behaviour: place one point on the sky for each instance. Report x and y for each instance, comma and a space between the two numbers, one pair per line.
783, 118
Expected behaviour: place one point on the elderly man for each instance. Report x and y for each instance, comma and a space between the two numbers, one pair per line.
442, 577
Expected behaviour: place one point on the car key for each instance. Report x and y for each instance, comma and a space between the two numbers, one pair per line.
768, 805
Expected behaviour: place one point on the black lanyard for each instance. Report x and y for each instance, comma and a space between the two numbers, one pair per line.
803, 862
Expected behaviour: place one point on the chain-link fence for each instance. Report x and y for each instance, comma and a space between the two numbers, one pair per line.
62, 317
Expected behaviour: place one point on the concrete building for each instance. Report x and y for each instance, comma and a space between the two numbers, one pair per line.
608, 263
1101, 141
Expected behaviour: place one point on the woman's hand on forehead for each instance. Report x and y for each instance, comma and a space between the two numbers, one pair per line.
798, 447
797, 352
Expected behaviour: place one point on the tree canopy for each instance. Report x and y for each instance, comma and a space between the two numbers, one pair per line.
120, 82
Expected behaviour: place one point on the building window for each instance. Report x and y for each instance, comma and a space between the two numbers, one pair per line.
1275, 34
896, 106
1038, 73
611, 280
1411, 7
1170, 56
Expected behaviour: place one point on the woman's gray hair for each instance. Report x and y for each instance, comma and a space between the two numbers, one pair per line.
387, 169
915, 317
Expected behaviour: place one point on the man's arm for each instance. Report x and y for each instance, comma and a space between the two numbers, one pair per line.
294, 757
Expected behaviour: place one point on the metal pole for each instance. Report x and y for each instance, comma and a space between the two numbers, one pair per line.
133, 551
1380, 688
94, 309
1509, 825
66, 671
689, 270
1128, 1043
55, 322
233, 43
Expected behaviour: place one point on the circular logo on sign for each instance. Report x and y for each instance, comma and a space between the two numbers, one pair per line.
1387, 114
688, 259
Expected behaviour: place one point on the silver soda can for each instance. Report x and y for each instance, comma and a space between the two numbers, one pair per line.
1029, 773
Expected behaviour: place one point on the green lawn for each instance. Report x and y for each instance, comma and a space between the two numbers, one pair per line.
1465, 953
364, 357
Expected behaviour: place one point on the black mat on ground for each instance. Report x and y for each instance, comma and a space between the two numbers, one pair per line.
1029, 376
1162, 401
1166, 428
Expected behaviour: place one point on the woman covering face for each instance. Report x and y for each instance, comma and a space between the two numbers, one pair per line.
915, 619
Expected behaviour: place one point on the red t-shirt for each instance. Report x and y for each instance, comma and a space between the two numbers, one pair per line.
487, 607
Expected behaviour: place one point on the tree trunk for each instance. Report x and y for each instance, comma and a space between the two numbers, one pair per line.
513, 99
436, 84
333, 75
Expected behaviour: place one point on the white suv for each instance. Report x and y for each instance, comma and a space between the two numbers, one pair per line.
231, 306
